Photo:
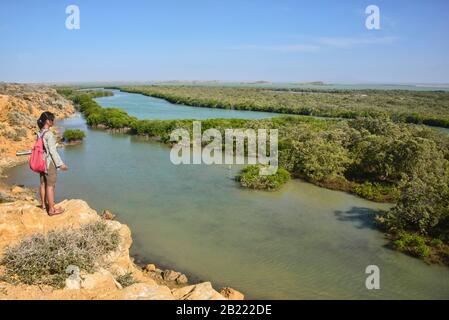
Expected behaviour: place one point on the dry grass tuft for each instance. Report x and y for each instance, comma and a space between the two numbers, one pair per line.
43, 259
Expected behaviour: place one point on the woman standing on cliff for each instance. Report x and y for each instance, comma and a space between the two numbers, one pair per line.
53, 163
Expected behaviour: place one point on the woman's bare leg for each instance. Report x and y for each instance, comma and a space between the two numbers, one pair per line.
42, 194
50, 192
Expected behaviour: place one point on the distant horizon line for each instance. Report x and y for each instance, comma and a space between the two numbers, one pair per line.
316, 82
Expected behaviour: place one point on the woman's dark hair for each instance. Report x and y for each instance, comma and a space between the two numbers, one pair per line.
47, 115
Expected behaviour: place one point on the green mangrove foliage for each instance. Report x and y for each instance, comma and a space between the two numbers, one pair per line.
419, 107
250, 178
112, 118
378, 159
71, 92
413, 244
73, 135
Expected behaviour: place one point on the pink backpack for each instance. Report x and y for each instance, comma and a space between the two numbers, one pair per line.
37, 161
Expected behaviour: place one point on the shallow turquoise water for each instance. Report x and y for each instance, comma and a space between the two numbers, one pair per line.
144, 107
302, 242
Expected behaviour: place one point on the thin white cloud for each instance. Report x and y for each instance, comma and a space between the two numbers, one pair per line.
280, 48
320, 43
351, 42
295, 48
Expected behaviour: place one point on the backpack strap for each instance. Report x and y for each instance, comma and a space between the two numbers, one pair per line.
43, 141
41, 134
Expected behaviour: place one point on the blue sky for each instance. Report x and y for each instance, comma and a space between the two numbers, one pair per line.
225, 40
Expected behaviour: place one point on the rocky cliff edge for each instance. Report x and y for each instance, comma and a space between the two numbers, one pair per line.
21, 219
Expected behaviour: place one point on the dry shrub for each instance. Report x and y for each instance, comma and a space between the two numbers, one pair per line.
44, 258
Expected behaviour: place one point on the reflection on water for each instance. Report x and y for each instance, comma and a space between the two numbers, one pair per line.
300, 242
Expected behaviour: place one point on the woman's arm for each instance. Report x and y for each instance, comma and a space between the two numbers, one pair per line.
51, 145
